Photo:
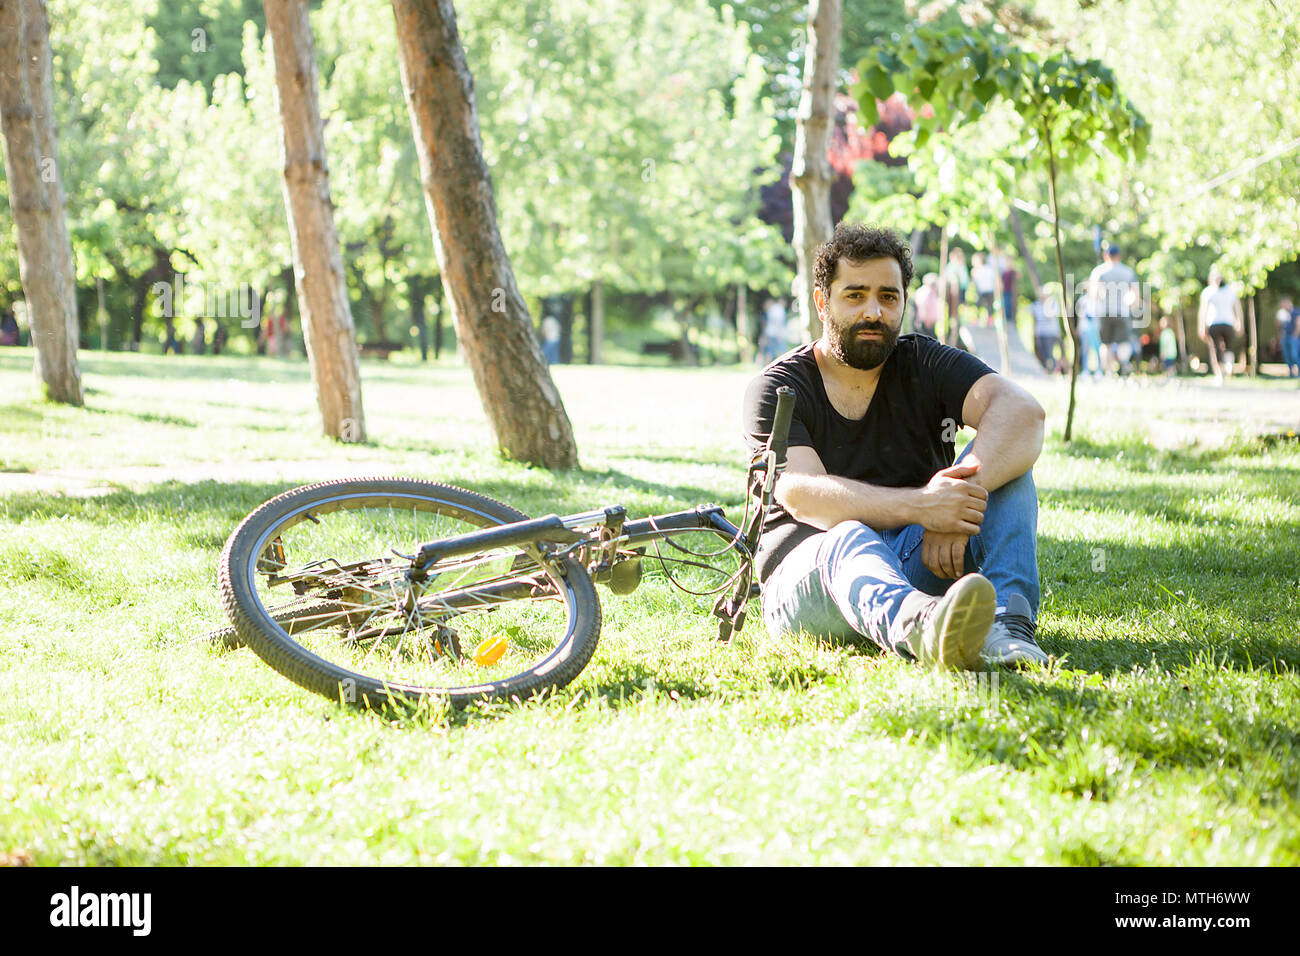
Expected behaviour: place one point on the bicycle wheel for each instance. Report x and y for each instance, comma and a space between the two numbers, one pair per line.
315, 582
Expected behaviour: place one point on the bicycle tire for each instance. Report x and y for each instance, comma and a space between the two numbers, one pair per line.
349, 653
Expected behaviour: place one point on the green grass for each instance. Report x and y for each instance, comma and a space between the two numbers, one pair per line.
1169, 732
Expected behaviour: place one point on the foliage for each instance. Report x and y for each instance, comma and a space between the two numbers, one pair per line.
232, 220
200, 40
1069, 109
961, 75
1225, 89
961, 180
627, 142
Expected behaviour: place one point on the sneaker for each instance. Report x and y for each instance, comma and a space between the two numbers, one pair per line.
1011, 641
950, 631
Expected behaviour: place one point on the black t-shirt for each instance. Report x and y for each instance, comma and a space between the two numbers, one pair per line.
906, 436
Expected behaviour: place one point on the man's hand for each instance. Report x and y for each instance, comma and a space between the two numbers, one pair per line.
944, 554
949, 504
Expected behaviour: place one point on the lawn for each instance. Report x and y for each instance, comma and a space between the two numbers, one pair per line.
1167, 732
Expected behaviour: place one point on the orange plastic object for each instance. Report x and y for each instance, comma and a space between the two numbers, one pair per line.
490, 651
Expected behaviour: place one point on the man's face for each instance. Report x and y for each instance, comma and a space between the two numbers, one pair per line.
863, 313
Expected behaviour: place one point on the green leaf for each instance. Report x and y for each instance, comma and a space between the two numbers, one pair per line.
880, 84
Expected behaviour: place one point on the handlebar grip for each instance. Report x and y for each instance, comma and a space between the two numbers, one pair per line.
781, 422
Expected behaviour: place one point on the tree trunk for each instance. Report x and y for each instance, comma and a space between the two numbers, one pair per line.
438, 300
327, 327
950, 314
564, 313
596, 325
689, 356
1184, 357
416, 287
160, 271
744, 333
492, 321
999, 320
1252, 340
1067, 314
101, 313
1014, 218
36, 197
811, 174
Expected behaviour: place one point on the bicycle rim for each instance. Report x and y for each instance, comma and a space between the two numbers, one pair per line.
317, 585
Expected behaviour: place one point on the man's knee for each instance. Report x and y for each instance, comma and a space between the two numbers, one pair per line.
1018, 487
850, 536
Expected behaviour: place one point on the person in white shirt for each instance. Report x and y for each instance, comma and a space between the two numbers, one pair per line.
985, 279
1115, 301
1220, 322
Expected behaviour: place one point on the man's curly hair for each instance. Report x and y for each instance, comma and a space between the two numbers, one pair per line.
857, 243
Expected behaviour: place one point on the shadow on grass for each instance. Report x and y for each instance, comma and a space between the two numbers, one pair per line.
210, 369
1089, 742
1134, 455
151, 417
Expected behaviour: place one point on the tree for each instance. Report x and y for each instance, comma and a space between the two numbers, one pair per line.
812, 175
322, 291
386, 239
959, 182
1222, 173
36, 196
492, 321
121, 164
1069, 109
627, 142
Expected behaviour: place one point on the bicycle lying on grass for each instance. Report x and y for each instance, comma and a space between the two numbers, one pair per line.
391, 591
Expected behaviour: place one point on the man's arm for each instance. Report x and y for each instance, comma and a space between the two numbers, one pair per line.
947, 503
1008, 422
1009, 437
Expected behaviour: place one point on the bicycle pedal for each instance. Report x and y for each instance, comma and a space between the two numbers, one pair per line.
272, 559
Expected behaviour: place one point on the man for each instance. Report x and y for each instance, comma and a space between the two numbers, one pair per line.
1010, 283
874, 527
1220, 321
1288, 329
774, 329
1116, 298
1047, 328
928, 306
985, 279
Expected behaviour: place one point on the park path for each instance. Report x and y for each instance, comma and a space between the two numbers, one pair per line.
1184, 412
983, 341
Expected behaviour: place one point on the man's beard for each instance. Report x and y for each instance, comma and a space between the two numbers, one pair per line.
864, 354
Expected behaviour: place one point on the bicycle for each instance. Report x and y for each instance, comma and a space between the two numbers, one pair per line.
469, 599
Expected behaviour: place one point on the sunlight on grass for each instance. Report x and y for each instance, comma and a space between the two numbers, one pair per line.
1168, 732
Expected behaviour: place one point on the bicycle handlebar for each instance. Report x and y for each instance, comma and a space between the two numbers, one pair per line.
781, 422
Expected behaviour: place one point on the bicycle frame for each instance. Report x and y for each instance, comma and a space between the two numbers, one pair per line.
604, 538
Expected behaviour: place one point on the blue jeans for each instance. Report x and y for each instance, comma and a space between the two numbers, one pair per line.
1291, 352
852, 579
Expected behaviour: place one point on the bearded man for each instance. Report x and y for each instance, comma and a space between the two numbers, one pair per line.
875, 530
